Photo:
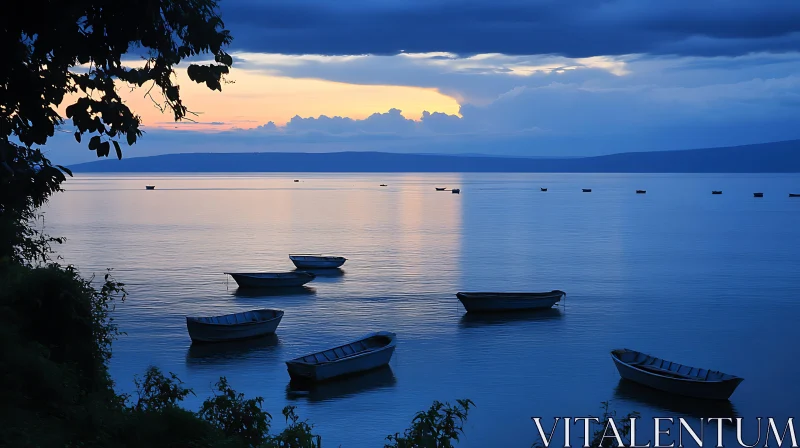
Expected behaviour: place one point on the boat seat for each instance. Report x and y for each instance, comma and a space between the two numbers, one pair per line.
655, 369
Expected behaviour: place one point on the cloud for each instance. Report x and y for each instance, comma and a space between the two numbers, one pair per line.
554, 119
574, 29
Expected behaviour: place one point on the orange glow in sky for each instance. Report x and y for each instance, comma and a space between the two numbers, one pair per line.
256, 98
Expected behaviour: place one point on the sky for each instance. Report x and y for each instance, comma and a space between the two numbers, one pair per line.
497, 77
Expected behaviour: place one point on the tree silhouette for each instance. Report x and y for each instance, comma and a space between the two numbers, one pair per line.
55, 50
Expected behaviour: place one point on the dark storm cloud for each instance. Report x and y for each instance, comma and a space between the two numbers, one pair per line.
570, 28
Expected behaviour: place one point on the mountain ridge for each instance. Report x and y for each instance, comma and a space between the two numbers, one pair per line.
773, 157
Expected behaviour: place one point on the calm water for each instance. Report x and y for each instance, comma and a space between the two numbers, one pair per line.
700, 279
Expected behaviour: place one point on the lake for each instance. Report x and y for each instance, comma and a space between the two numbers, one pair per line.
701, 279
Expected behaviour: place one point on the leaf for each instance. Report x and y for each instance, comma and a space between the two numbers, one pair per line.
78, 136
94, 143
105, 148
117, 148
65, 169
131, 138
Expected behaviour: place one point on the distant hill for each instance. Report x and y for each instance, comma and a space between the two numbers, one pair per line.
776, 157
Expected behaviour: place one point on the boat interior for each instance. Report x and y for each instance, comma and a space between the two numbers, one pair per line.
347, 350
505, 295
240, 318
670, 369
272, 274
314, 257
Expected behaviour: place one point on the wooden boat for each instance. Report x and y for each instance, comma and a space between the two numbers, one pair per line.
758, 195
384, 185
271, 279
794, 195
456, 190
716, 192
248, 324
641, 191
369, 352
544, 189
587, 190
441, 189
506, 301
297, 180
317, 261
149, 187
672, 377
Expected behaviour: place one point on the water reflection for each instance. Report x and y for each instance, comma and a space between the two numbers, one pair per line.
479, 319
274, 292
674, 404
225, 353
380, 378
325, 275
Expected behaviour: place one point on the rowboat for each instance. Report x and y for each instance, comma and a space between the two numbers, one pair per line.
369, 352
587, 190
229, 327
317, 261
641, 191
506, 301
440, 189
384, 185
794, 195
271, 279
672, 377
149, 187
758, 195
544, 189
716, 192
456, 190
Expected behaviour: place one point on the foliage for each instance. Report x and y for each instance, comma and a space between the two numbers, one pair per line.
235, 415
75, 50
157, 392
56, 339
297, 433
610, 418
437, 427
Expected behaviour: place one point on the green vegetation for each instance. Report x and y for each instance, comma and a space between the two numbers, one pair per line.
56, 329
437, 427
56, 336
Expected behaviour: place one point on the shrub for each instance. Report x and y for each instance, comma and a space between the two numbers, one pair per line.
437, 427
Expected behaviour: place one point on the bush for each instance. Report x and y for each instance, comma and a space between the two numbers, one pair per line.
236, 416
437, 427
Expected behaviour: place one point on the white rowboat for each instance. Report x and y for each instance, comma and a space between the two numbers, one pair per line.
507, 301
229, 327
317, 261
271, 279
672, 377
368, 352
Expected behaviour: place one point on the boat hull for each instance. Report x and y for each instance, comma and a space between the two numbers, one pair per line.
711, 390
247, 281
345, 367
346, 362
201, 332
507, 302
318, 263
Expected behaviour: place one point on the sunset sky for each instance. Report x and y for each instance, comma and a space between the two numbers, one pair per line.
494, 77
